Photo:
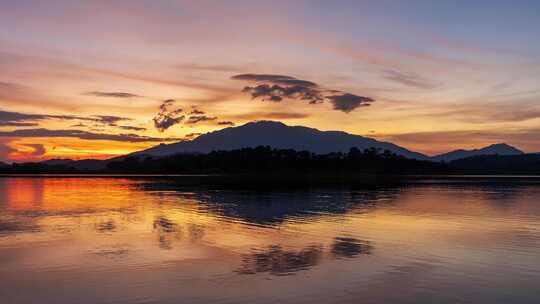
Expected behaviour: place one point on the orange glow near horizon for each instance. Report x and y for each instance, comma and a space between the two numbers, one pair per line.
91, 90
63, 148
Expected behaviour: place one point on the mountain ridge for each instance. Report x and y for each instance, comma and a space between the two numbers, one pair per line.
281, 136
277, 135
494, 149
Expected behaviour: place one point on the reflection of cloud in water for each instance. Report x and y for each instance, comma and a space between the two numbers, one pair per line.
106, 227
347, 247
163, 224
505, 197
196, 232
111, 252
278, 261
9, 227
167, 232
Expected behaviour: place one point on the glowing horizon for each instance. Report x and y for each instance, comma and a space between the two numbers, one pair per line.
91, 79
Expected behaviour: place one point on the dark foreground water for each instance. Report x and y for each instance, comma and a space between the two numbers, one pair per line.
119, 240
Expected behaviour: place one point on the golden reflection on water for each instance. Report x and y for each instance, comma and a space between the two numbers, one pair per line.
150, 240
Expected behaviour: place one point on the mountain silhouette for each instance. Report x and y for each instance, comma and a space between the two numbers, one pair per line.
497, 149
280, 136
83, 164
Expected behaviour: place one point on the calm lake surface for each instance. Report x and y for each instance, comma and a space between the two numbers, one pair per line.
150, 240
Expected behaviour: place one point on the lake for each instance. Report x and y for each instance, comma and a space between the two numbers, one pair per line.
155, 240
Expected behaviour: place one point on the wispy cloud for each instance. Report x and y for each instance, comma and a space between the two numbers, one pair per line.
17, 124
225, 123
15, 91
42, 132
270, 115
132, 128
196, 112
24, 119
275, 79
111, 94
108, 119
5, 149
481, 112
444, 141
112, 124
199, 118
211, 67
409, 80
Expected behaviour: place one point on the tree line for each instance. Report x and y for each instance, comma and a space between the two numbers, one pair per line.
268, 160
265, 159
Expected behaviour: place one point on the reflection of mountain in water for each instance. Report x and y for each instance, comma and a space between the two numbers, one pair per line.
271, 208
274, 208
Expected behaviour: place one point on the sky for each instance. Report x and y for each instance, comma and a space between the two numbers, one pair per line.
98, 79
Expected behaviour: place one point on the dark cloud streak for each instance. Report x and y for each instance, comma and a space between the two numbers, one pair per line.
197, 112
167, 115
111, 94
348, 102
132, 128
42, 132
225, 123
276, 88
13, 118
200, 118
409, 80
211, 68
271, 115
17, 124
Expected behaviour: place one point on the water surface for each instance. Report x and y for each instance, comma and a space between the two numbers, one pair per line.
150, 240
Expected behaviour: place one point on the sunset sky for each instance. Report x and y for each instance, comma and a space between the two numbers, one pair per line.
97, 79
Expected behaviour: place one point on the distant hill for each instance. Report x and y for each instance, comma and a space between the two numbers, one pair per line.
279, 136
498, 164
84, 164
497, 149
58, 162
